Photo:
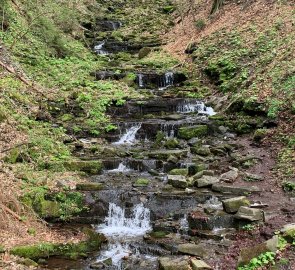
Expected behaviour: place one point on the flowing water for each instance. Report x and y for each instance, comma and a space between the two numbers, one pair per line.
122, 230
129, 136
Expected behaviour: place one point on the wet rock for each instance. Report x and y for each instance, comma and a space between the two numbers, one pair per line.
288, 232
232, 205
190, 132
200, 221
192, 249
173, 117
89, 186
143, 52
250, 214
178, 181
206, 181
170, 263
165, 154
199, 265
237, 190
247, 254
230, 176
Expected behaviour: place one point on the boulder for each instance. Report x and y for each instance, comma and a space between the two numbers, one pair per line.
250, 177
206, 181
288, 232
247, 254
192, 249
232, 205
190, 132
237, 190
230, 176
202, 151
250, 214
179, 263
177, 181
199, 265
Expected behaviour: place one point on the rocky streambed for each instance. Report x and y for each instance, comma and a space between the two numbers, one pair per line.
178, 184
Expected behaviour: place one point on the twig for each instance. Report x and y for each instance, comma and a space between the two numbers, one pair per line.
6, 209
10, 148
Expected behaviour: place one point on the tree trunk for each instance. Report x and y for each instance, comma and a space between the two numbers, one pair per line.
216, 5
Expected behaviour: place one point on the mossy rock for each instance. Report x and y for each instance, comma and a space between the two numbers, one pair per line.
183, 172
188, 133
2, 249
27, 262
141, 182
88, 166
69, 250
89, 186
172, 143
49, 209
159, 234
202, 151
259, 135
13, 156
143, 52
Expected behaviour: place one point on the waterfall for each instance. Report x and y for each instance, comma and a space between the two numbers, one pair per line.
119, 228
140, 80
168, 130
184, 226
166, 80
121, 168
129, 136
194, 106
99, 49
213, 203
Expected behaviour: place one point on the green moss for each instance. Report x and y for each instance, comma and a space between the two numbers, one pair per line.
158, 234
70, 250
88, 166
183, 172
142, 182
259, 134
172, 143
192, 131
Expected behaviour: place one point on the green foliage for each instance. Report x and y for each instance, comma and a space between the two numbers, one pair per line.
200, 24
249, 227
264, 259
289, 186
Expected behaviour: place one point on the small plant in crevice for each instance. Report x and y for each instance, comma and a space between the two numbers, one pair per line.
200, 24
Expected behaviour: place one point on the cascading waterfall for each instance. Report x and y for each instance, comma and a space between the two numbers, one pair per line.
129, 136
168, 130
121, 168
166, 81
140, 80
189, 106
99, 49
120, 229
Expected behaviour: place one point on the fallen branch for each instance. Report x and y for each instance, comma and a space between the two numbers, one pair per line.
6, 209
21, 78
10, 148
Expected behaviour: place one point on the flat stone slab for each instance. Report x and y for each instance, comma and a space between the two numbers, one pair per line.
170, 263
199, 265
178, 181
251, 214
236, 190
89, 186
247, 254
192, 249
165, 154
232, 205
206, 181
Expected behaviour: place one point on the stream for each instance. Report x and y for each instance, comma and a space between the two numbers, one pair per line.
147, 210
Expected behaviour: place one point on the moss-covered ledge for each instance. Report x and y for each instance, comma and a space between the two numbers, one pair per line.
67, 250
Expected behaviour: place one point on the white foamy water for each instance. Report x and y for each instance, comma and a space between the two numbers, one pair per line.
168, 80
121, 168
129, 136
184, 223
140, 80
197, 106
120, 229
99, 49
213, 203
117, 224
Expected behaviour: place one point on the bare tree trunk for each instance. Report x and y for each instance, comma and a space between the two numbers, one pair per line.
216, 6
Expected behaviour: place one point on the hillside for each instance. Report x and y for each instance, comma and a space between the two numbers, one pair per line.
102, 102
